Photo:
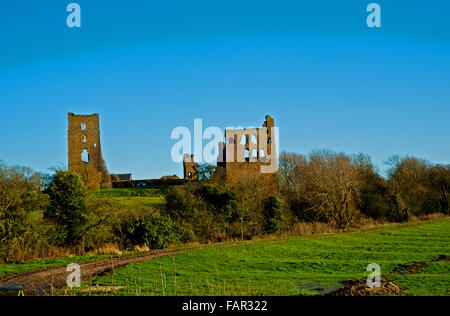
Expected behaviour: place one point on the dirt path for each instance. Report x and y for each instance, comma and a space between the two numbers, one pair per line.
43, 282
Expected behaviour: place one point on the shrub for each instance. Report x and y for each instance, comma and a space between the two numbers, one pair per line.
97, 230
375, 200
67, 209
397, 213
155, 231
439, 184
208, 207
180, 203
158, 232
219, 199
273, 214
20, 196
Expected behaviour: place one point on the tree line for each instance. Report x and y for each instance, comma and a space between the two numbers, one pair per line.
340, 189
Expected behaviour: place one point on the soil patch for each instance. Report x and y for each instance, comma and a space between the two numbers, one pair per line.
360, 288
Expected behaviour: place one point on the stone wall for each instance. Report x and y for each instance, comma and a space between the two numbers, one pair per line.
249, 153
190, 168
85, 154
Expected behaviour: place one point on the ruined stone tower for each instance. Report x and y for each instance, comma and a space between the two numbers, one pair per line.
250, 152
190, 168
85, 154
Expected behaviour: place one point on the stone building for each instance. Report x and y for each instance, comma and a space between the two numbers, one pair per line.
250, 152
85, 154
190, 168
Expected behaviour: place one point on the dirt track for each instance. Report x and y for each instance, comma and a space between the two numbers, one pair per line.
42, 282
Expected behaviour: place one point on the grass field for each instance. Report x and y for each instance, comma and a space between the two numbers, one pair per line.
135, 197
284, 268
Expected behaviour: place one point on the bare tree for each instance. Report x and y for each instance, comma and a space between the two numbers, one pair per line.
409, 183
291, 174
334, 187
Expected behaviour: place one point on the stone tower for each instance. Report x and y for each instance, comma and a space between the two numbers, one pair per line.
190, 167
250, 152
85, 154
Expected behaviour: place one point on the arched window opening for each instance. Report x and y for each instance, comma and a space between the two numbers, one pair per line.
244, 140
85, 156
262, 155
247, 155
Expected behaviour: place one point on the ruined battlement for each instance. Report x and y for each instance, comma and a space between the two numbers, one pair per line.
190, 168
250, 152
85, 154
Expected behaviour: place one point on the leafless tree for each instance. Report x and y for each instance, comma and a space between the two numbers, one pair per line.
325, 184
334, 187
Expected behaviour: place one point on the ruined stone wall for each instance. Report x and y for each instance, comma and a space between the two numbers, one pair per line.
190, 168
248, 151
84, 143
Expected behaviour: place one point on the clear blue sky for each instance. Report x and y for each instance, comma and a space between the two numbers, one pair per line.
149, 66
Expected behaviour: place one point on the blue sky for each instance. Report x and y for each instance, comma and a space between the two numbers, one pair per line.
150, 66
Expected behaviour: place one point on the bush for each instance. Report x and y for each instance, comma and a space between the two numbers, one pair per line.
439, 183
219, 199
159, 232
97, 230
375, 200
67, 209
397, 213
154, 231
273, 214
209, 208
20, 197
180, 203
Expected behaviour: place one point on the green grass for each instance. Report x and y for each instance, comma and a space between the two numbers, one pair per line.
267, 268
135, 197
281, 267
431, 280
126, 192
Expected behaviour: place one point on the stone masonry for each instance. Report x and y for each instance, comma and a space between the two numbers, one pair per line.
249, 153
85, 154
190, 168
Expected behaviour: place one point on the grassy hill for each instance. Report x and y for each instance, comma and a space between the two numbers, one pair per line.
139, 197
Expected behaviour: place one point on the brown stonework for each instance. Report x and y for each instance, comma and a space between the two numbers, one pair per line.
85, 154
248, 152
190, 168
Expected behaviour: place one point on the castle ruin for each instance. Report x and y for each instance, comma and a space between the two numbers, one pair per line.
250, 152
245, 153
85, 153
190, 168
